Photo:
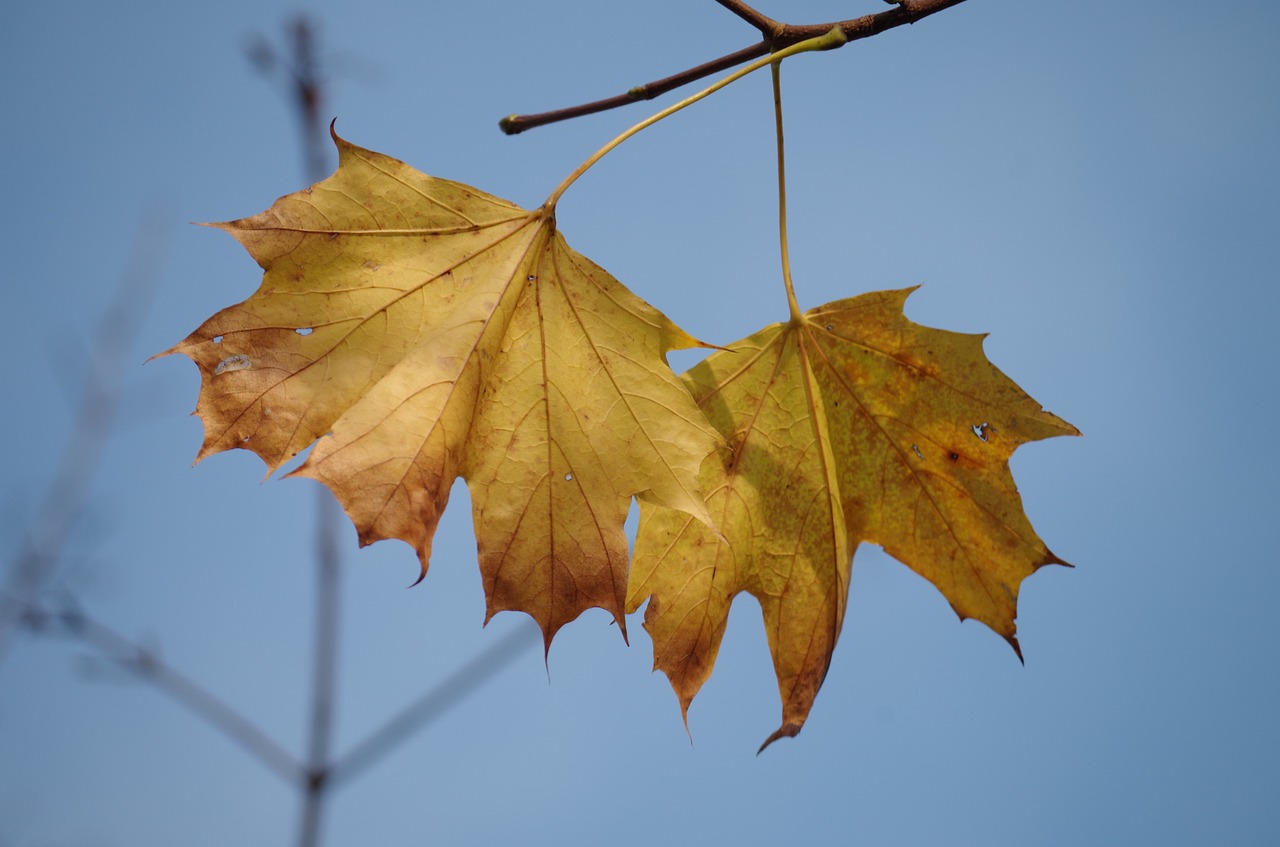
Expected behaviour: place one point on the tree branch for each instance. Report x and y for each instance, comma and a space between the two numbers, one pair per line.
775, 36
448, 693
148, 665
64, 501
761, 22
515, 124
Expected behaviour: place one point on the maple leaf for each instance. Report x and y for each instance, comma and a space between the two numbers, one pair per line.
423, 330
849, 425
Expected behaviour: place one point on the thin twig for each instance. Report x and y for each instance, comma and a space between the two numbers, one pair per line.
307, 86
148, 665
760, 21
325, 658
434, 703
514, 124
775, 37
64, 500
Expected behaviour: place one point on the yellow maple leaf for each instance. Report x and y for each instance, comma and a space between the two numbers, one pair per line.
423, 330
849, 425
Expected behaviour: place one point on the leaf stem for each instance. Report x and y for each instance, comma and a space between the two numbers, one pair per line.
792, 303
829, 40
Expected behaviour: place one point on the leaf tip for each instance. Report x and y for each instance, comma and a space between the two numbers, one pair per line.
1052, 559
230, 227
344, 146
422, 574
1017, 648
161, 355
684, 714
787, 730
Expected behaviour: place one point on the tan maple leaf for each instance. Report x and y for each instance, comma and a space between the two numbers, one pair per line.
423, 330
851, 424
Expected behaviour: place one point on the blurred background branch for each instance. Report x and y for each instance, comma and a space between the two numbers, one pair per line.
23, 601
42, 546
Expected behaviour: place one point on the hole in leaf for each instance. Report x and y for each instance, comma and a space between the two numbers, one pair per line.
831, 328
568, 477
980, 430
955, 457
916, 448
304, 330
217, 339
531, 278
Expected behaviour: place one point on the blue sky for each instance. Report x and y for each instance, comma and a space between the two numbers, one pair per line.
1093, 184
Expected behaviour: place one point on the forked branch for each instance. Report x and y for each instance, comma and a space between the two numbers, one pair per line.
774, 36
